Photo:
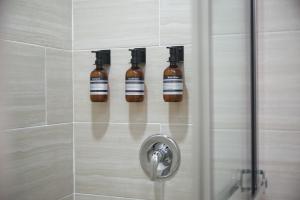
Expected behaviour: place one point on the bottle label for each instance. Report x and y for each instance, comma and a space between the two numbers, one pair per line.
98, 86
135, 86
173, 85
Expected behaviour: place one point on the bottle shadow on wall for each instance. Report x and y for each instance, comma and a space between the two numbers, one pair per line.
100, 112
138, 117
179, 115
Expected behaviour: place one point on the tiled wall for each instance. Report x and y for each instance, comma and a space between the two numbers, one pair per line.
279, 76
37, 40
108, 135
37, 63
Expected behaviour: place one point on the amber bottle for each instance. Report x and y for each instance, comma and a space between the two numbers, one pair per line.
173, 76
99, 77
134, 79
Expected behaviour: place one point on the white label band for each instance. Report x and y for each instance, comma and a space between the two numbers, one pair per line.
98, 88
134, 93
135, 87
173, 86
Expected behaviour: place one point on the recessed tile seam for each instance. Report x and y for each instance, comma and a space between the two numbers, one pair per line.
95, 195
33, 127
69, 195
36, 45
45, 86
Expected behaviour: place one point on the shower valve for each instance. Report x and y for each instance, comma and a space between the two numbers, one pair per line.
160, 157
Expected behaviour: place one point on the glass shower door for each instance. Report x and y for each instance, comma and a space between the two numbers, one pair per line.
232, 124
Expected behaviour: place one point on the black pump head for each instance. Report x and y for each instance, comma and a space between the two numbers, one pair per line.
102, 57
176, 54
138, 55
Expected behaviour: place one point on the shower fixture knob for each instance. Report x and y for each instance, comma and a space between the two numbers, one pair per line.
160, 157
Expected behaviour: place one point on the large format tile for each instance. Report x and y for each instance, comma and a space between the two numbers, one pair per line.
46, 22
231, 154
115, 23
276, 15
175, 22
231, 82
283, 185
59, 86
232, 146
230, 16
280, 152
152, 110
24, 85
107, 161
39, 163
279, 79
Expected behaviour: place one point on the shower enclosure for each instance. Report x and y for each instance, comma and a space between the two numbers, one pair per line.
58, 145
226, 39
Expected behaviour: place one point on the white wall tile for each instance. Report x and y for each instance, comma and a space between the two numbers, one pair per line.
24, 85
279, 81
276, 15
230, 16
39, 163
115, 23
107, 159
175, 22
98, 197
283, 186
46, 23
59, 86
281, 160
118, 172
231, 82
231, 154
278, 96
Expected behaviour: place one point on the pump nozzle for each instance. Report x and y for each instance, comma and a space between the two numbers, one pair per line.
176, 54
138, 55
102, 57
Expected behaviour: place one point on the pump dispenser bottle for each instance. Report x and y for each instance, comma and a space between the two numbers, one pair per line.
173, 76
134, 79
99, 77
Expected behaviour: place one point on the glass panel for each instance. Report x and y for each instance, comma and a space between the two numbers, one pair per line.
231, 76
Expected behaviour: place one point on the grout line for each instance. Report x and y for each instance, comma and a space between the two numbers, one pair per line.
176, 124
66, 196
36, 45
73, 94
74, 167
259, 33
45, 88
96, 195
159, 28
72, 28
41, 126
117, 123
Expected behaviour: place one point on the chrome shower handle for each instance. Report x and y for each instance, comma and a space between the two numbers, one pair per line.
159, 157
155, 159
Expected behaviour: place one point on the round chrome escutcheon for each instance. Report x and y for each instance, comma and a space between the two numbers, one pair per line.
160, 157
